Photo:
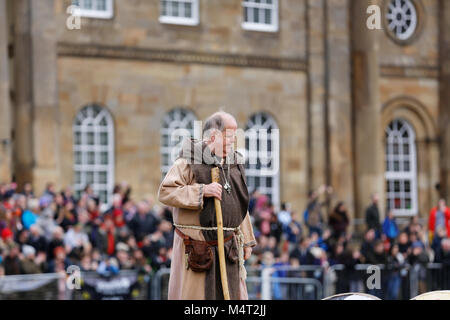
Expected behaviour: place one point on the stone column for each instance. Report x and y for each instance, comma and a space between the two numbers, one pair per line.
45, 95
23, 147
5, 106
316, 93
339, 113
367, 131
36, 118
444, 103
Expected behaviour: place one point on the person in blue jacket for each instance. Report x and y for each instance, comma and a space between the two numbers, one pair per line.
390, 228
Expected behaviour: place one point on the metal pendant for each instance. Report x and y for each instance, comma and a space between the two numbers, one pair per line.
227, 187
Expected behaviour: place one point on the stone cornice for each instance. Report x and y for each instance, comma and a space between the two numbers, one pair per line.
178, 56
428, 72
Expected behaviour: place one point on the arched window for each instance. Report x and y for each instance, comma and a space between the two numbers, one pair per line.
401, 172
93, 131
262, 156
177, 124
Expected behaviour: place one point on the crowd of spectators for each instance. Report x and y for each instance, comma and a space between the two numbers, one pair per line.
323, 238
50, 232
57, 229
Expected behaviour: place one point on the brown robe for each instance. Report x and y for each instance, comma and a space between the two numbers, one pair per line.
180, 190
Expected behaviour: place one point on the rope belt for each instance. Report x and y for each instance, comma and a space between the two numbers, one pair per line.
240, 241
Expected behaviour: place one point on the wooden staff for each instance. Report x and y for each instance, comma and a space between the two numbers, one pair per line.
215, 176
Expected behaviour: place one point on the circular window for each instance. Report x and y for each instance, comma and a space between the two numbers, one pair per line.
402, 19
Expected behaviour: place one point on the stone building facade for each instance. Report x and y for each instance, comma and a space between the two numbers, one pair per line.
95, 104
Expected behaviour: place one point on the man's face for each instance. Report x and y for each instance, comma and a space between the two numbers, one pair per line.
228, 139
375, 198
224, 141
442, 204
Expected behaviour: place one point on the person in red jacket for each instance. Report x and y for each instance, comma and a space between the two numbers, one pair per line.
439, 217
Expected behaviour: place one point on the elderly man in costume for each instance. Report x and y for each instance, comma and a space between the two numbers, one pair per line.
188, 188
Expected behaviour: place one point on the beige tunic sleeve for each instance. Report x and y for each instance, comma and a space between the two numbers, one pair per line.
247, 230
178, 189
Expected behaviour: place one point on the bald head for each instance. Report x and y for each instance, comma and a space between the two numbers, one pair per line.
219, 132
219, 121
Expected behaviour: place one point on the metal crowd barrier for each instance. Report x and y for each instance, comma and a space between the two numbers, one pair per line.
279, 282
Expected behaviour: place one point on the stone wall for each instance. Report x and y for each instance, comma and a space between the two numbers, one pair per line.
138, 94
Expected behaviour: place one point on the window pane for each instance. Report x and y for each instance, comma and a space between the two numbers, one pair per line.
397, 203
255, 15
408, 204
87, 4
103, 138
102, 177
406, 166
101, 5
164, 8
103, 158
188, 10
406, 149
89, 177
78, 158
77, 177
268, 17
91, 157
90, 138
175, 9
396, 166
396, 149
407, 186
397, 186
77, 140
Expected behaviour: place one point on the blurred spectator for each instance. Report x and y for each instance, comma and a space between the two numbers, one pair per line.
284, 216
28, 190
302, 252
30, 215
123, 256
107, 236
263, 214
276, 228
144, 222
413, 225
60, 262
439, 218
313, 216
404, 245
373, 216
108, 267
36, 239
339, 221
395, 263
28, 264
76, 242
273, 247
11, 263
368, 246
293, 232
57, 240
252, 201
443, 254
50, 190
390, 228
66, 216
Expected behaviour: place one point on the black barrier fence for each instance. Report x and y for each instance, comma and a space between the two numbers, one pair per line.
272, 283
